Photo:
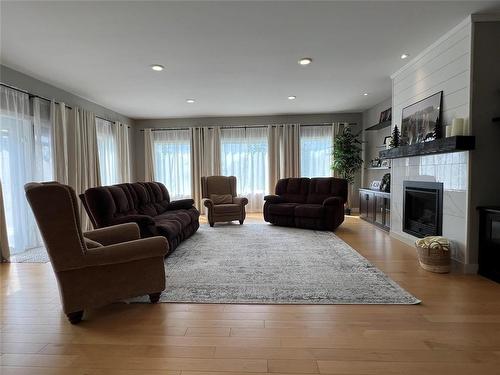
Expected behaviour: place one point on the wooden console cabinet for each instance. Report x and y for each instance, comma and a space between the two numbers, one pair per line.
375, 207
489, 242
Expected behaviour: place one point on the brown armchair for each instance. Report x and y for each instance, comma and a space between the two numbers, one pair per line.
97, 267
219, 193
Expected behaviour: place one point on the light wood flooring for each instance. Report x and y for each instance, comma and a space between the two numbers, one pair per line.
456, 330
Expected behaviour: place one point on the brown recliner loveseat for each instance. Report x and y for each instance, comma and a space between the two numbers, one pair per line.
146, 203
97, 267
316, 203
220, 197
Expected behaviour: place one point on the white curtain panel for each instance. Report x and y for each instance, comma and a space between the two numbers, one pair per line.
17, 167
44, 140
60, 118
244, 154
316, 146
284, 152
123, 143
205, 158
4, 240
83, 156
107, 145
172, 161
149, 163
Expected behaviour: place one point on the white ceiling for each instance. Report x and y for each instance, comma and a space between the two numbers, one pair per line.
234, 58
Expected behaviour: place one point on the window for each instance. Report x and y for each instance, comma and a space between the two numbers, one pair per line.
25, 156
316, 144
107, 147
172, 158
244, 153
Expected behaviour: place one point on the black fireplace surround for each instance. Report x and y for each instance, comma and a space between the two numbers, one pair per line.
423, 208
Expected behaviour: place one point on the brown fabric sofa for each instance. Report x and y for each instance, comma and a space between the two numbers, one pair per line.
97, 267
148, 205
221, 201
316, 203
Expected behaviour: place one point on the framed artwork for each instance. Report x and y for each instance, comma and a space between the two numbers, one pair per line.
375, 185
421, 121
386, 163
385, 115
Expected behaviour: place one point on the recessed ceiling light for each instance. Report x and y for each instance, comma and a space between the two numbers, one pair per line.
157, 67
190, 101
365, 94
404, 56
292, 97
305, 61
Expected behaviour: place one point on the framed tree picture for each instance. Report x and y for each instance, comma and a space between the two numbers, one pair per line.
421, 121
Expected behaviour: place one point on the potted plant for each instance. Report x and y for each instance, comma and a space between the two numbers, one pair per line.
346, 159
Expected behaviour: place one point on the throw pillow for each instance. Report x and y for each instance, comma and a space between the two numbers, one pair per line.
221, 199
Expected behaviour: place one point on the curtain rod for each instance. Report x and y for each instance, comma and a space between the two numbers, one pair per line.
244, 126
47, 99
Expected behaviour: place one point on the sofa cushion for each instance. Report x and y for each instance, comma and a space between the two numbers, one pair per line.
221, 198
227, 208
293, 190
91, 244
309, 210
321, 188
283, 209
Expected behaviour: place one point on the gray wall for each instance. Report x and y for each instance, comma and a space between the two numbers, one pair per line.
22, 81
484, 175
373, 140
247, 120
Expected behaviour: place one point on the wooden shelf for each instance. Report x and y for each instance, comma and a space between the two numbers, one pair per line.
438, 146
380, 125
378, 168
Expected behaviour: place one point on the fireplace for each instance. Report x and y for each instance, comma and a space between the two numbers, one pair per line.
423, 208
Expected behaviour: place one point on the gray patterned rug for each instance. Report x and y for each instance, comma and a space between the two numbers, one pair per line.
262, 263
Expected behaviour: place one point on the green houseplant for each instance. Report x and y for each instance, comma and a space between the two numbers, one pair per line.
346, 158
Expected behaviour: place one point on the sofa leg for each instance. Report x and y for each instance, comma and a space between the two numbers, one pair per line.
241, 222
211, 224
154, 297
75, 317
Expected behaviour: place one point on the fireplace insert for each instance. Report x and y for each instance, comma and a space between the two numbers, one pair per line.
423, 208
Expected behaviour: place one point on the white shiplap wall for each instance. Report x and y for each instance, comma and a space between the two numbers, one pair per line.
443, 66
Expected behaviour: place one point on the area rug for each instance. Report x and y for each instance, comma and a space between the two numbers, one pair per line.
266, 264
35, 255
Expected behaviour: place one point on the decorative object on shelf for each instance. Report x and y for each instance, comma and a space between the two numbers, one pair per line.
386, 163
387, 142
385, 186
395, 137
466, 127
434, 254
448, 131
375, 185
457, 127
346, 158
385, 115
375, 163
421, 121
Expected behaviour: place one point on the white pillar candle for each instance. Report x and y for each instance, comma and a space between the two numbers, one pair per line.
448, 131
457, 127
466, 127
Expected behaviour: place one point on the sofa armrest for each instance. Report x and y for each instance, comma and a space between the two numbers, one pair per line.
274, 199
180, 204
114, 234
126, 252
242, 201
141, 220
208, 203
333, 201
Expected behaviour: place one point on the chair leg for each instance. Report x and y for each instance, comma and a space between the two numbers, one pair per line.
75, 317
241, 222
154, 297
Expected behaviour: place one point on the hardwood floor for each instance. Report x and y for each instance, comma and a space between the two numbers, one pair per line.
456, 330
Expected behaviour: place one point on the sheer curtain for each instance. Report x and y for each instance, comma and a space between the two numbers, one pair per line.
244, 154
123, 145
284, 152
172, 161
108, 152
22, 138
316, 145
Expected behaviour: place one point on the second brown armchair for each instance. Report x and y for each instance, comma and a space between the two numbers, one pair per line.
220, 198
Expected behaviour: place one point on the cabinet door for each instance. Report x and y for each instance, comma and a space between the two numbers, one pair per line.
366, 205
387, 214
379, 209
371, 207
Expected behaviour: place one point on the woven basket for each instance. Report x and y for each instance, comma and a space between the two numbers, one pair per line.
434, 254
